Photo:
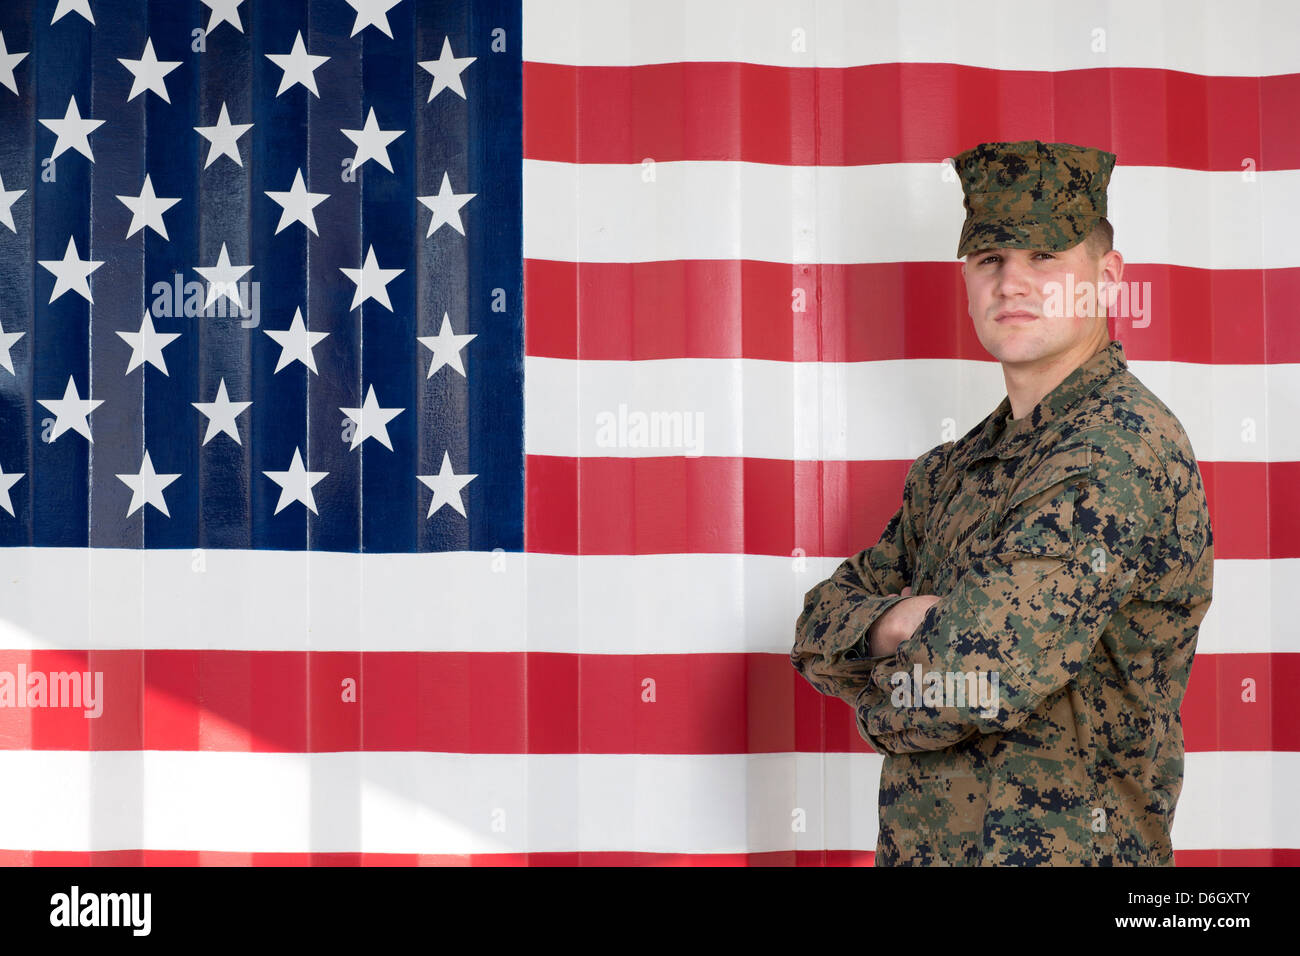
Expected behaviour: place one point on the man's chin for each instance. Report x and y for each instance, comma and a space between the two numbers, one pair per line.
1015, 349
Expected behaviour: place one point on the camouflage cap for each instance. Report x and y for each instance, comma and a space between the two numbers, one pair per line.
1031, 195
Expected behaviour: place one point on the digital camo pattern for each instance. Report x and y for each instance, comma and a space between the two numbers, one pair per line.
1074, 557
1031, 195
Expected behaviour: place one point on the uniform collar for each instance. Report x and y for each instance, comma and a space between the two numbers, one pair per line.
1079, 384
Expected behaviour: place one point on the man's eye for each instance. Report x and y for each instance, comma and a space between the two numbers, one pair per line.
990, 258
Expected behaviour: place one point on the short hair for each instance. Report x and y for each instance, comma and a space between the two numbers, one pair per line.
1101, 240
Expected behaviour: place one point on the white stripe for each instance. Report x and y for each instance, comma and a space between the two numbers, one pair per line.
434, 803
891, 212
1237, 800
723, 604
617, 604
858, 411
260, 600
1251, 38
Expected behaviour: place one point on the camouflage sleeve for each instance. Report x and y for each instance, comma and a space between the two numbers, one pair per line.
829, 648
1031, 606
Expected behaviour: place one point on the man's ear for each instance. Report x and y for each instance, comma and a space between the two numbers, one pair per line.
1112, 269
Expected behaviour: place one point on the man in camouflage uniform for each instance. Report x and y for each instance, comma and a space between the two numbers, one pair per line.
1062, 547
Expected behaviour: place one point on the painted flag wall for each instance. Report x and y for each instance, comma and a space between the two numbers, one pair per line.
349, 582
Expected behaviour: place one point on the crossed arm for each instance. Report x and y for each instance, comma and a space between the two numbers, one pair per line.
1030, 606
831, 648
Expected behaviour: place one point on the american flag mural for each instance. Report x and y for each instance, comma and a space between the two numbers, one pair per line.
421, 421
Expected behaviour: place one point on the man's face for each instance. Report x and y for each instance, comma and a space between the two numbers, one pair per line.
1000, 281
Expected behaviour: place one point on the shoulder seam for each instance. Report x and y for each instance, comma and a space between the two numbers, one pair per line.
1159, 458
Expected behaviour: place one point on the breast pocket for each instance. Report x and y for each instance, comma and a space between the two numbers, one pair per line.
966, 540
1038, 519
1047, 532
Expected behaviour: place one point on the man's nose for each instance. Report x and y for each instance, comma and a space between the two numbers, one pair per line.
1013, 276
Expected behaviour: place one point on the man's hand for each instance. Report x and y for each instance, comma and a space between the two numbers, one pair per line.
898, 623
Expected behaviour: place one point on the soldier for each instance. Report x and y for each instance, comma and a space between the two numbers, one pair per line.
1018, 642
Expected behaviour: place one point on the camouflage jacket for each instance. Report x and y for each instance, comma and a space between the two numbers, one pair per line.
1073, 557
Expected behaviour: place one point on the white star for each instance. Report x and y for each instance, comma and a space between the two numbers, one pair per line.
446, 71
71, 411
71, 273
296, 483
296, 343
445, 207
223, 279
299, 66
73, 6
222, 413
372, 281
7, 63
7, 200
372, 13
72, 131
7, 482
224, 138
371, 420
223, 11
7, 340
147, 345
446, 486
149, 72
445, 346
147, 209
147, 487
372, 142
298, 205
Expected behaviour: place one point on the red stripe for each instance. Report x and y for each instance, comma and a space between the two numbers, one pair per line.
720, 308
901, 113
575, 858
679, 505
477, 702
1246, 857
82, 858
1234, 700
